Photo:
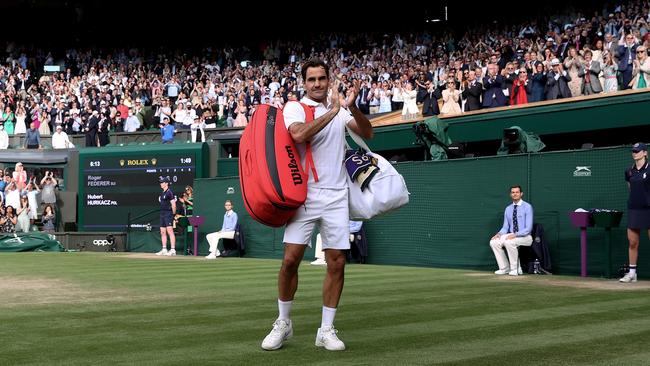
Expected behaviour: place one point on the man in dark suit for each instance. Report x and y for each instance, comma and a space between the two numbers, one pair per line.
91, 129
472, 92
362, 100
430, 100
557, 82
626, 55
493, 85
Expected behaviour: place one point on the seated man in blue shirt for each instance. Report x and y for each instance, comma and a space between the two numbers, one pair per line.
516, 231
227, 231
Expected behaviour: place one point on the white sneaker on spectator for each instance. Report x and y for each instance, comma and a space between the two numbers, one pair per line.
501, 272
513, 273
629, 277
211, 256
282, 330
162, 252
326, 337
171, 252
319, 262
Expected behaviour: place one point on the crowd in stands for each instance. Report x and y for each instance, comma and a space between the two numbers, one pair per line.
126, 90
23, 197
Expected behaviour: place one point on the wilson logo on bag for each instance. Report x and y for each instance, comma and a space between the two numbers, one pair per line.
273, 182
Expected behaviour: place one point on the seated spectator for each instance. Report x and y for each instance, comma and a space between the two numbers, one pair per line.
60, 139
227, 231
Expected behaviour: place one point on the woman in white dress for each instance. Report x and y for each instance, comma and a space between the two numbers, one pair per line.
12, 195
609, 73
385, 94
21, 114
23, 216
32, 191
410, 109
44, 128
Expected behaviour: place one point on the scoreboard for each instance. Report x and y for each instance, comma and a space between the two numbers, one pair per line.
114, 186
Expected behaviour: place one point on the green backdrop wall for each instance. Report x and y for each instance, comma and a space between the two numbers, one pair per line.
456, 205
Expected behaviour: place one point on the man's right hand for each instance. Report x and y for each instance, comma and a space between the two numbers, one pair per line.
496, 236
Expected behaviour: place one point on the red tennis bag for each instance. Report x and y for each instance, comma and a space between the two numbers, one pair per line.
273, 181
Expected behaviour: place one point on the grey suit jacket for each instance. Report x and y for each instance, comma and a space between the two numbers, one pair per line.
593, 77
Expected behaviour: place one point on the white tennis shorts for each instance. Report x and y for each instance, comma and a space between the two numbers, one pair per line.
327, 208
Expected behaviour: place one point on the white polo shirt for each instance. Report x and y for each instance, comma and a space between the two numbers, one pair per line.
328, 145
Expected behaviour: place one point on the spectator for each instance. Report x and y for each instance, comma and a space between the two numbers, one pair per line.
493, 84
227, 231
33, 138
4, 138
410, 109
23, 215
167, 131
132, 123
641, 73
589, 71
32, 191
538, 82
557, 82
60, 139
197, 130
626, 54
20, 176
471, 91
515, 232
48, 193
241, 120
48, 219
8, 220
450, 97
522, 88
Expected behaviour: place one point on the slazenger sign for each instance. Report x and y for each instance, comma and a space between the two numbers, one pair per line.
582, 171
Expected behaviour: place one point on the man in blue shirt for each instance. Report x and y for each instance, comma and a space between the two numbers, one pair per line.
227, 231
166, 131
515, 232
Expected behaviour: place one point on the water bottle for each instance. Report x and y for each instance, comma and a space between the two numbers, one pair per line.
536, 266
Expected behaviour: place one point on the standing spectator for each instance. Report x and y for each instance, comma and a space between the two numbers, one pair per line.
60, 139
197, 129
48, 193
450, 98
589, 71
241, 120
102, 129
48, 219
522, 88
493, 84
626, 54
20, 176
173, 88
8, 220
538, 82
572, 65
91, 129
557, 82
32, 192
429, 102
641, 71
23, 215
133, 123
8, 118
471, 91
609, 73
4, 138
20, 127
410, 109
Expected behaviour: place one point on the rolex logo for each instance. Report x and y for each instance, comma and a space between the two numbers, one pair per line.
121, 162
154, 161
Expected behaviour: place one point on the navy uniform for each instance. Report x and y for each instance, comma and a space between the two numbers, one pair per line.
638, 203
165, 199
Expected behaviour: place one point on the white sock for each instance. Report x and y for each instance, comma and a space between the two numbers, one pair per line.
632, 269
284, 308
328, 317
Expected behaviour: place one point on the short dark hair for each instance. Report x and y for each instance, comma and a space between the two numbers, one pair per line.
516, 186
314, 62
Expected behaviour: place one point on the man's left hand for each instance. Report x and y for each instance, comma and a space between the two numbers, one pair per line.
511, 236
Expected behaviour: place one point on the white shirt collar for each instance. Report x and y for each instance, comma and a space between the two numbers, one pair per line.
311, 103
518, 203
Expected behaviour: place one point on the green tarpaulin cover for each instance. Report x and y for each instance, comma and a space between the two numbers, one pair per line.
29, 242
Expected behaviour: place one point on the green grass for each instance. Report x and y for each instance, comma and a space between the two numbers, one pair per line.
96, 308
